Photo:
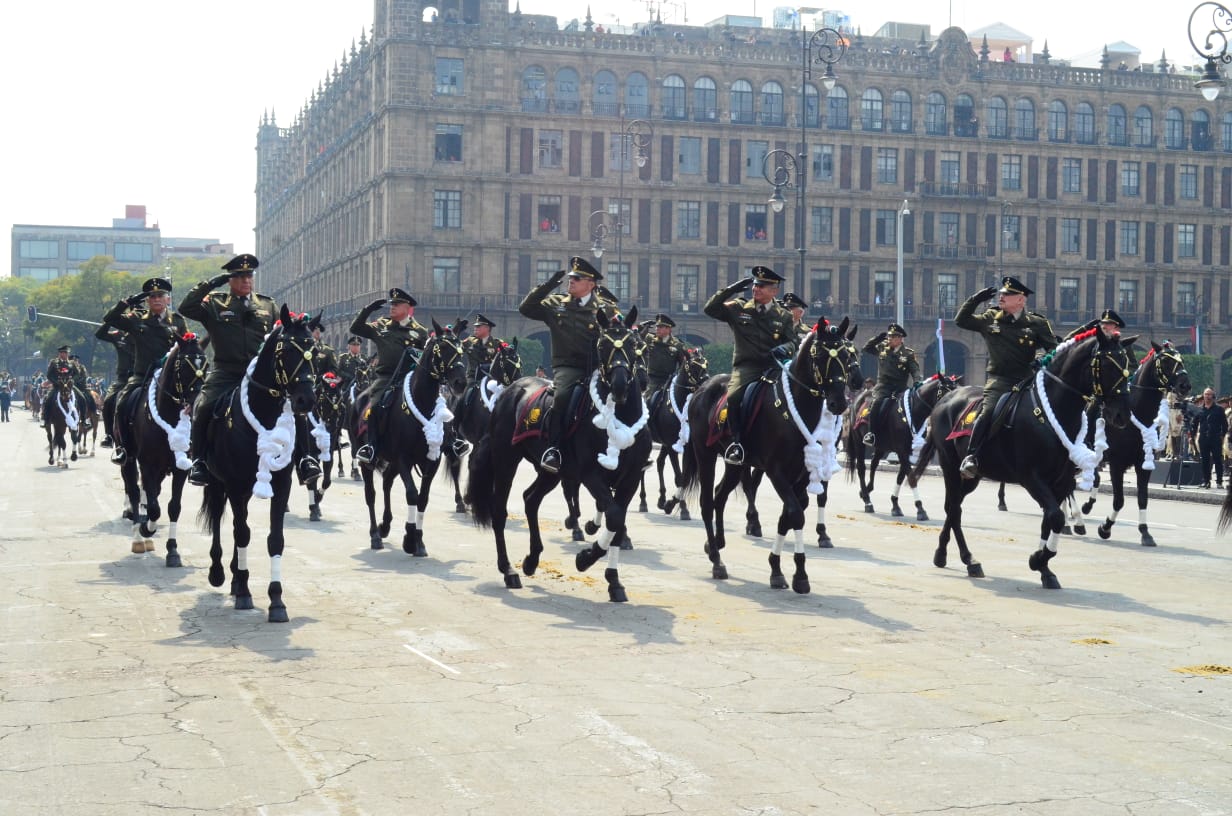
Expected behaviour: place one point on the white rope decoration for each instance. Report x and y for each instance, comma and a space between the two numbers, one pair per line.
619, 435
177, 437
70, 414
1153, 435
433, 426
820, 459
275, 445
917, 434
320, 435
489, 386
681, 413
1085, 459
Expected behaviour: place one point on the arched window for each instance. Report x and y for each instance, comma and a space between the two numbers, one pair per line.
772, 104
1024, 119
1118, 129
1225, 133
705, 101
1174, 129
742, 102
838, 114
1058, 121
1144, 127
606, 102
871, 113
534, 89
996, 118
965, 123
812, 111
1084, 123
674, 97
637, 96
1200, 130
935, 123
900, 112
568, 95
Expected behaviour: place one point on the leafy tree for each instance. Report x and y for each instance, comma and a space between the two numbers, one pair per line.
719, 358
1201, 368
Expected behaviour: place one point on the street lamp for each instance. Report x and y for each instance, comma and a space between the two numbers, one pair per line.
601, 223
1211, 23
825, 46
637, 133
903, 210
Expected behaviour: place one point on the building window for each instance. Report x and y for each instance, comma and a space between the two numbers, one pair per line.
85, 250
705, 101
689, 219
1118, 131
673, 97
900, 112
622, 209
1187, 298
947, 228
1129, 178
947, 292
134, 253
448, 76
1174, 129
1129, 237
616, 278
1084, 123
821, 222
823, 162
1071, 175
1071, 235
685, 281
690, 155
772, 104
568, 94
871, 110
812, 110
951, 163
605, 101
1225, 132
755, 222
551, 148
1186, 240
1024, 119
534, 90
39, 249
1127, 297
1069, 294
545, 270
548, 213
935, 115
821, 291
838, 113
446, 275
449, 143
1144, 126
886, 227
754, 161
1011, 172
1009, 233
447, 209
1189, 181
997, 118
37, 273
1058, 121
637, 95
883, 292
887, 165
742, 102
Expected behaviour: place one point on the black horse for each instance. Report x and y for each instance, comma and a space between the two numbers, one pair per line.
1162, 371
473, 410
605, 450
900, 430
669, 407
354, 393
413, 426
250, 451
323, 431
158, 437
791, 430
1038, 439
65, 412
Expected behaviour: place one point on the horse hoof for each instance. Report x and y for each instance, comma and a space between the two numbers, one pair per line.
975, 570
420, 550
1080, 529
216, 576
939, 558
139, 547
530, 565
1050, 582
149, 545
670, 505
376, 543
1065, 530
383, 529
74, 456
460, 507
684, 514
800, 585
243, 602
719, 572
586, 559
512, 581
625, 543
1105, 532
571, 523
1148, 540
591, 528
825, 542
753, 529
173, 560
616, 594
314, 513
778, 582
1002, 507
1086, 506
578, 535
642, 507
895, 511
147, 529
278, 614
661, 503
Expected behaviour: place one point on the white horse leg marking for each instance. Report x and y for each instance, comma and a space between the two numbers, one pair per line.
1113, 513
137, 538
779, 541
598, 519
799, 542
821, 514
1142, 516
605, 539
1051, 543
897, 487
412, 515
915, 493
276, 568
171, 528
241, 558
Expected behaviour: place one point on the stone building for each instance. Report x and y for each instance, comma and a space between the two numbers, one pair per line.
466, 152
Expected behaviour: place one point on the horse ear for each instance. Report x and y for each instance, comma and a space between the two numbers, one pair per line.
631, 321
602, 319
1126, 342
436, 327
514, 344
851, 335
842, 327
459, 327
1158, 348
284, 314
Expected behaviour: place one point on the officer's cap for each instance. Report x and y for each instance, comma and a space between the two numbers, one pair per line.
793, 301
480, 320
579, 267
765, 276
397, 295
663, 320
353, 341
241, 265
896, 330
1010, 285
1110, 316
64, 348
156, 286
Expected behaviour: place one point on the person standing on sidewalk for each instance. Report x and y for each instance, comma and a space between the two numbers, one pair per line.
1210, 426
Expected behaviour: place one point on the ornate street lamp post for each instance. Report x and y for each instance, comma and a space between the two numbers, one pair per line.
636, 134
1210, 24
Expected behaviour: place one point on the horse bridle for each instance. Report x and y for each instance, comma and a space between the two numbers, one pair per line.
624, 347
185, 392
822, 372
509, 359
302, 355
695, 370
1097, 386
439, 365
1167, 379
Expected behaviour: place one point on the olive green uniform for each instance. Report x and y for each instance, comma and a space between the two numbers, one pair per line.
149, 336
349, 366
662, 354
479, 355
237, 326
124, 355
755, 331
896, 368
573, 327
391, 340
324, 358
1012, 345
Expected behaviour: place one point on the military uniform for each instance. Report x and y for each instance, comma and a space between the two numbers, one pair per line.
148, 336
662, 355
391, 340
349, 366
76, 372
479, 354
896, 368
124, 370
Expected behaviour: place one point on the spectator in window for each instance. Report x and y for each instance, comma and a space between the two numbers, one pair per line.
761, 235
545, 225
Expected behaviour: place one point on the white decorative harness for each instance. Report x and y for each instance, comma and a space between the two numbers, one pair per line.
682, 415
70, 413
619, 435
820, 443
433, 426
177, 437
917, 434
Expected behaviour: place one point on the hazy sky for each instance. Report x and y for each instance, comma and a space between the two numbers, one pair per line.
157, 102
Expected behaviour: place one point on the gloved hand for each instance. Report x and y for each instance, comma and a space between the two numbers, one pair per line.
881, 336
557, 277
732, 288
219, 280
985, 293
374, 305
783, 352
136, 299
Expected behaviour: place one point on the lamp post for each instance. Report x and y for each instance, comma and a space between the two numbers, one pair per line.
637, 133
601, 223
1211, 23
903, 210
825, 46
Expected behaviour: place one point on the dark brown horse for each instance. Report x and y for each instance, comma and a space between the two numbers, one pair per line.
473, 410
65, 412
669, 407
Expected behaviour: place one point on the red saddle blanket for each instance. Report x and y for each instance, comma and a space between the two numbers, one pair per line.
718, 431
530, 418
966, 420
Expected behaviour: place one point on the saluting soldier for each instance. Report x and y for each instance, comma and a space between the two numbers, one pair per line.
573, 326
897, 368
324, 358
1015, 336
663, 352
394, 336
124, 370
61, 362
351, 362
479, 349
237, 321
151, 334
1109, 324
796, 305
761, 329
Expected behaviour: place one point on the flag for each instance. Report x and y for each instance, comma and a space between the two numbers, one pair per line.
1195, 335
940, 346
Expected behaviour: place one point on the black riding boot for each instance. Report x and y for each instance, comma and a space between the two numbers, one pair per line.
734, 455
308, 467
199, 474
108, 421
366, 455
551, 459
970, 467
870, 438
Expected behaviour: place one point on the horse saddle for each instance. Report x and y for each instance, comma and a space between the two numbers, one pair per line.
532, 415
656, 400
750, 406
1002, 415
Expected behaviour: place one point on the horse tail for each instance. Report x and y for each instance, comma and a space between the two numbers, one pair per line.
1225, 512
850, 448
479, 486
213, 503
690, 478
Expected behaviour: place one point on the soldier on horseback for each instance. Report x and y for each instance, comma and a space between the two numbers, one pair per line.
351, 362
1014, 337
151, 334
124, 370
897, 368
762, 331
571, 320
64, 361
398, 339
796, 305
663, 353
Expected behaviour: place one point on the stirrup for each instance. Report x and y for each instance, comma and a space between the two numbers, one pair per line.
734, 455
870, 439
550, 461
198, 475
970, 468
119, 455
461, 447
365, 454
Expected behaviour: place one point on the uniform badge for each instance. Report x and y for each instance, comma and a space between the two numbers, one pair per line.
995, 328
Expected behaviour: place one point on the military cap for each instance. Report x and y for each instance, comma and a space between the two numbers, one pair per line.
397, 295
663, 320
1110, 316
241, 265
63, 348
765, 276
793, 301
895, 330
579, 267
480, 320
353, 341
156, 286
1010, 285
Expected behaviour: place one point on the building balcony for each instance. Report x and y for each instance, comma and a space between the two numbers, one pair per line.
946, 189
954, 252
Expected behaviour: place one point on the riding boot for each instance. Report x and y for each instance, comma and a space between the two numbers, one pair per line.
308, 467
199, 474
734, 455
970, 467
366, 455
551, 459
870, 438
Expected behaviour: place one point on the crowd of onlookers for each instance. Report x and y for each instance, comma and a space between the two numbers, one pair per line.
1199, 431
